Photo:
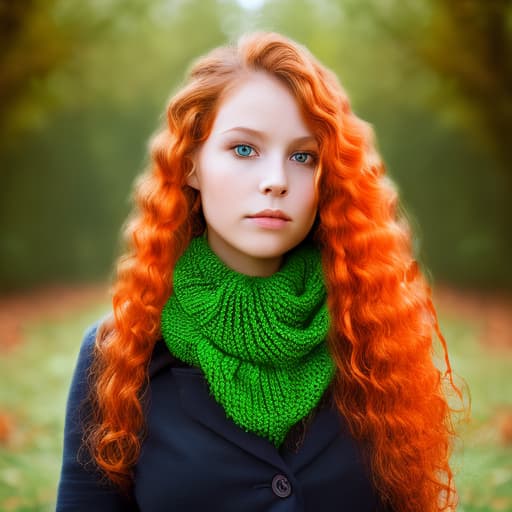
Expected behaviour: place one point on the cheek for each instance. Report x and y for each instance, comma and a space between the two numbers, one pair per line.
217, 174
221, 197
224, 183
306, 190
213, 197
211, 179
211, 187
221, 189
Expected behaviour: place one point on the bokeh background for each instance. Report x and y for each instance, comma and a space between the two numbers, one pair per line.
83, 84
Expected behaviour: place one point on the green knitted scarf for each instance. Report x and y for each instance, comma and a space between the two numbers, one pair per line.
260, 341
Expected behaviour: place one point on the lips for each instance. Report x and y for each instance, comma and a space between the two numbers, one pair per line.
273, 214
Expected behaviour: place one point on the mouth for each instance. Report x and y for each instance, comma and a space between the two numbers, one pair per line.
270, 219
271, 214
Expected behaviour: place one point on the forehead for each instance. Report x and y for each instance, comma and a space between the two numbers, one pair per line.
260, 102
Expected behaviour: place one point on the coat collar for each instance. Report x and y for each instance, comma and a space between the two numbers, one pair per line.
201, 406
197, 402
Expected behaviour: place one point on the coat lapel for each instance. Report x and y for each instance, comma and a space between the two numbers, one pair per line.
199, 404
326, 426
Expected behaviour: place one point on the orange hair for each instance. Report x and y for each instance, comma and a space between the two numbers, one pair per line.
383, 320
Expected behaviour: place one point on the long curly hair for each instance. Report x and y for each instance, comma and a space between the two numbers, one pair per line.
383, 323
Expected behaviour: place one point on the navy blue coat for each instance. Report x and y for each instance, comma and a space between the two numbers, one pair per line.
194, 458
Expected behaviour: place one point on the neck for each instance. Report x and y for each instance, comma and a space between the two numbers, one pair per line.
244, 264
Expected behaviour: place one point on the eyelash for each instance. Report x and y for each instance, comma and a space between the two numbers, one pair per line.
312, 156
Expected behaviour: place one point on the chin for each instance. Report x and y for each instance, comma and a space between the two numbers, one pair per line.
271, 249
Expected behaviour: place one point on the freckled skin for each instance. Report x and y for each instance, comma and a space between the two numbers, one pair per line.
259, 155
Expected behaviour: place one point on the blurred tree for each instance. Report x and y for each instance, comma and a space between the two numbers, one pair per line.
40, 39
87, 118
33, 43
468, 43
449, 181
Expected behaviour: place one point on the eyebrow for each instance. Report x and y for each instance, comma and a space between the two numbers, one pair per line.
261, 135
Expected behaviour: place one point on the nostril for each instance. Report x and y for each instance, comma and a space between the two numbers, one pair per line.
275, 190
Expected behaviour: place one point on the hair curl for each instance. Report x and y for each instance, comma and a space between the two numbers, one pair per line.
383, 320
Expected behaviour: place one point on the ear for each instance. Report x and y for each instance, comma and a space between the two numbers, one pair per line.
191, 178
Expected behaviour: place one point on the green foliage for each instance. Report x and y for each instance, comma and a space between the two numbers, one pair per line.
28, 55
467, 44
59, 221
453, 183
66, 183
109, 66
455, 200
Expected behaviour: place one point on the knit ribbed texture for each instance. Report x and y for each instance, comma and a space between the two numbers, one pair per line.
260, 341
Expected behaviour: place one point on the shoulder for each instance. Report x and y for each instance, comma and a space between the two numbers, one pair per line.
80, 380
86, 352
88, 341
160, 358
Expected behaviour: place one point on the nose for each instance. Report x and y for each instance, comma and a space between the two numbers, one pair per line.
274, 181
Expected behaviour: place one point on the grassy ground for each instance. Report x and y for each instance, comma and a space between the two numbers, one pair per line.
483, 459
35, 376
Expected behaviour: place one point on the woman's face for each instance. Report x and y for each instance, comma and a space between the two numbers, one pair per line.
255, 174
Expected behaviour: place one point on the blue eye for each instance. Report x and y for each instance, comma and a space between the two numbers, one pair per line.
243, 150
302, 158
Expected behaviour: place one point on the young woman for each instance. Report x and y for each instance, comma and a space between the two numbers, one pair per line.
271, 338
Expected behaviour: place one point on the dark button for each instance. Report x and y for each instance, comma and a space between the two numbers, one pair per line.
281, 486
